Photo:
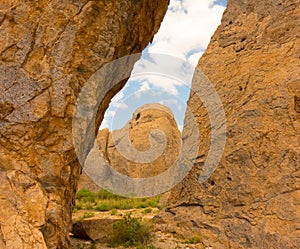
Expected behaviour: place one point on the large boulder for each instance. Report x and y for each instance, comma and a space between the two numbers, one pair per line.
94, 229
48, 50
252, 198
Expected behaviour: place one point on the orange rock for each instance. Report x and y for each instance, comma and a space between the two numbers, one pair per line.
252, 198
48, 50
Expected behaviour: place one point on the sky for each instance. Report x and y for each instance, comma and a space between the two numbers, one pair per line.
164, 72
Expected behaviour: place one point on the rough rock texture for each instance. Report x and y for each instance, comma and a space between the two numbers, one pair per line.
48, 50
145, 120
94, 229
252, 200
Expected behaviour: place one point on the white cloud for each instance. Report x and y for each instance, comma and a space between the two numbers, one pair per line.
169, 67
160, 82
174, 102
169, 101
144, 86
118, 102
185, 34
118, 97
182, 38
106, 120
188, 25
104, 124
123, 106
194, 58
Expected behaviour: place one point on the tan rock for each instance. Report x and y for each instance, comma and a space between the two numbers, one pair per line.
252, 198
48, 50
94, 229
137, 135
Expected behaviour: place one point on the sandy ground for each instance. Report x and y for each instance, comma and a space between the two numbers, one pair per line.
159, 239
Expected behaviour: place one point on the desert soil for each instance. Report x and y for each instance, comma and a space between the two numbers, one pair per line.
160, 240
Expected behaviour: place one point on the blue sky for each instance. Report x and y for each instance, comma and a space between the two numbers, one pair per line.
183, 37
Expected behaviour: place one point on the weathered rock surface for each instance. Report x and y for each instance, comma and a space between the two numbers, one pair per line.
252, 200
48, 50
94, 229
99, 228
137, 134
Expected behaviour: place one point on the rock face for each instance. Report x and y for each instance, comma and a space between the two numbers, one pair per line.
94, 229
48, 50
252, 198
137, 132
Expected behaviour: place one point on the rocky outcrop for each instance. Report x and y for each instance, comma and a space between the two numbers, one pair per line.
48, 51
252, 198
139, 133
94, 229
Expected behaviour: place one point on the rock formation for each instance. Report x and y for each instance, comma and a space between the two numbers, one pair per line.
138, 130
252, 198
48, 50
94, 229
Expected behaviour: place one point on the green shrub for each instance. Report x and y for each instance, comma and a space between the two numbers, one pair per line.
142, 205
147, 211
114, 211
125, 204
77, 207
153, 202
105, 201
106, 195
103, 207
86, 195
87, 215
130, 232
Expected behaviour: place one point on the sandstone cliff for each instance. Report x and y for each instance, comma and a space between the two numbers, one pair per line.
252, 198
48, 50
137, 131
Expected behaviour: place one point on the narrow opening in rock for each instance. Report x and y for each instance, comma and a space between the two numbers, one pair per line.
153, 99
173, 52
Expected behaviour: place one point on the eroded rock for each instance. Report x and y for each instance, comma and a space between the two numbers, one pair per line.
137, 134
48, 51
94, 229
252, 198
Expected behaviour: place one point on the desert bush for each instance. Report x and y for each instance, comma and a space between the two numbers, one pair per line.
147, 211
103, 207
130, 231
114, 211
106, 201
87, 215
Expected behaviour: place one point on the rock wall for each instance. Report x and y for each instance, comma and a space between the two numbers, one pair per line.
252, 198
48, 50
138, 133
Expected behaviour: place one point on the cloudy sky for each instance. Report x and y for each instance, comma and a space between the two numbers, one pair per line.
164, 73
